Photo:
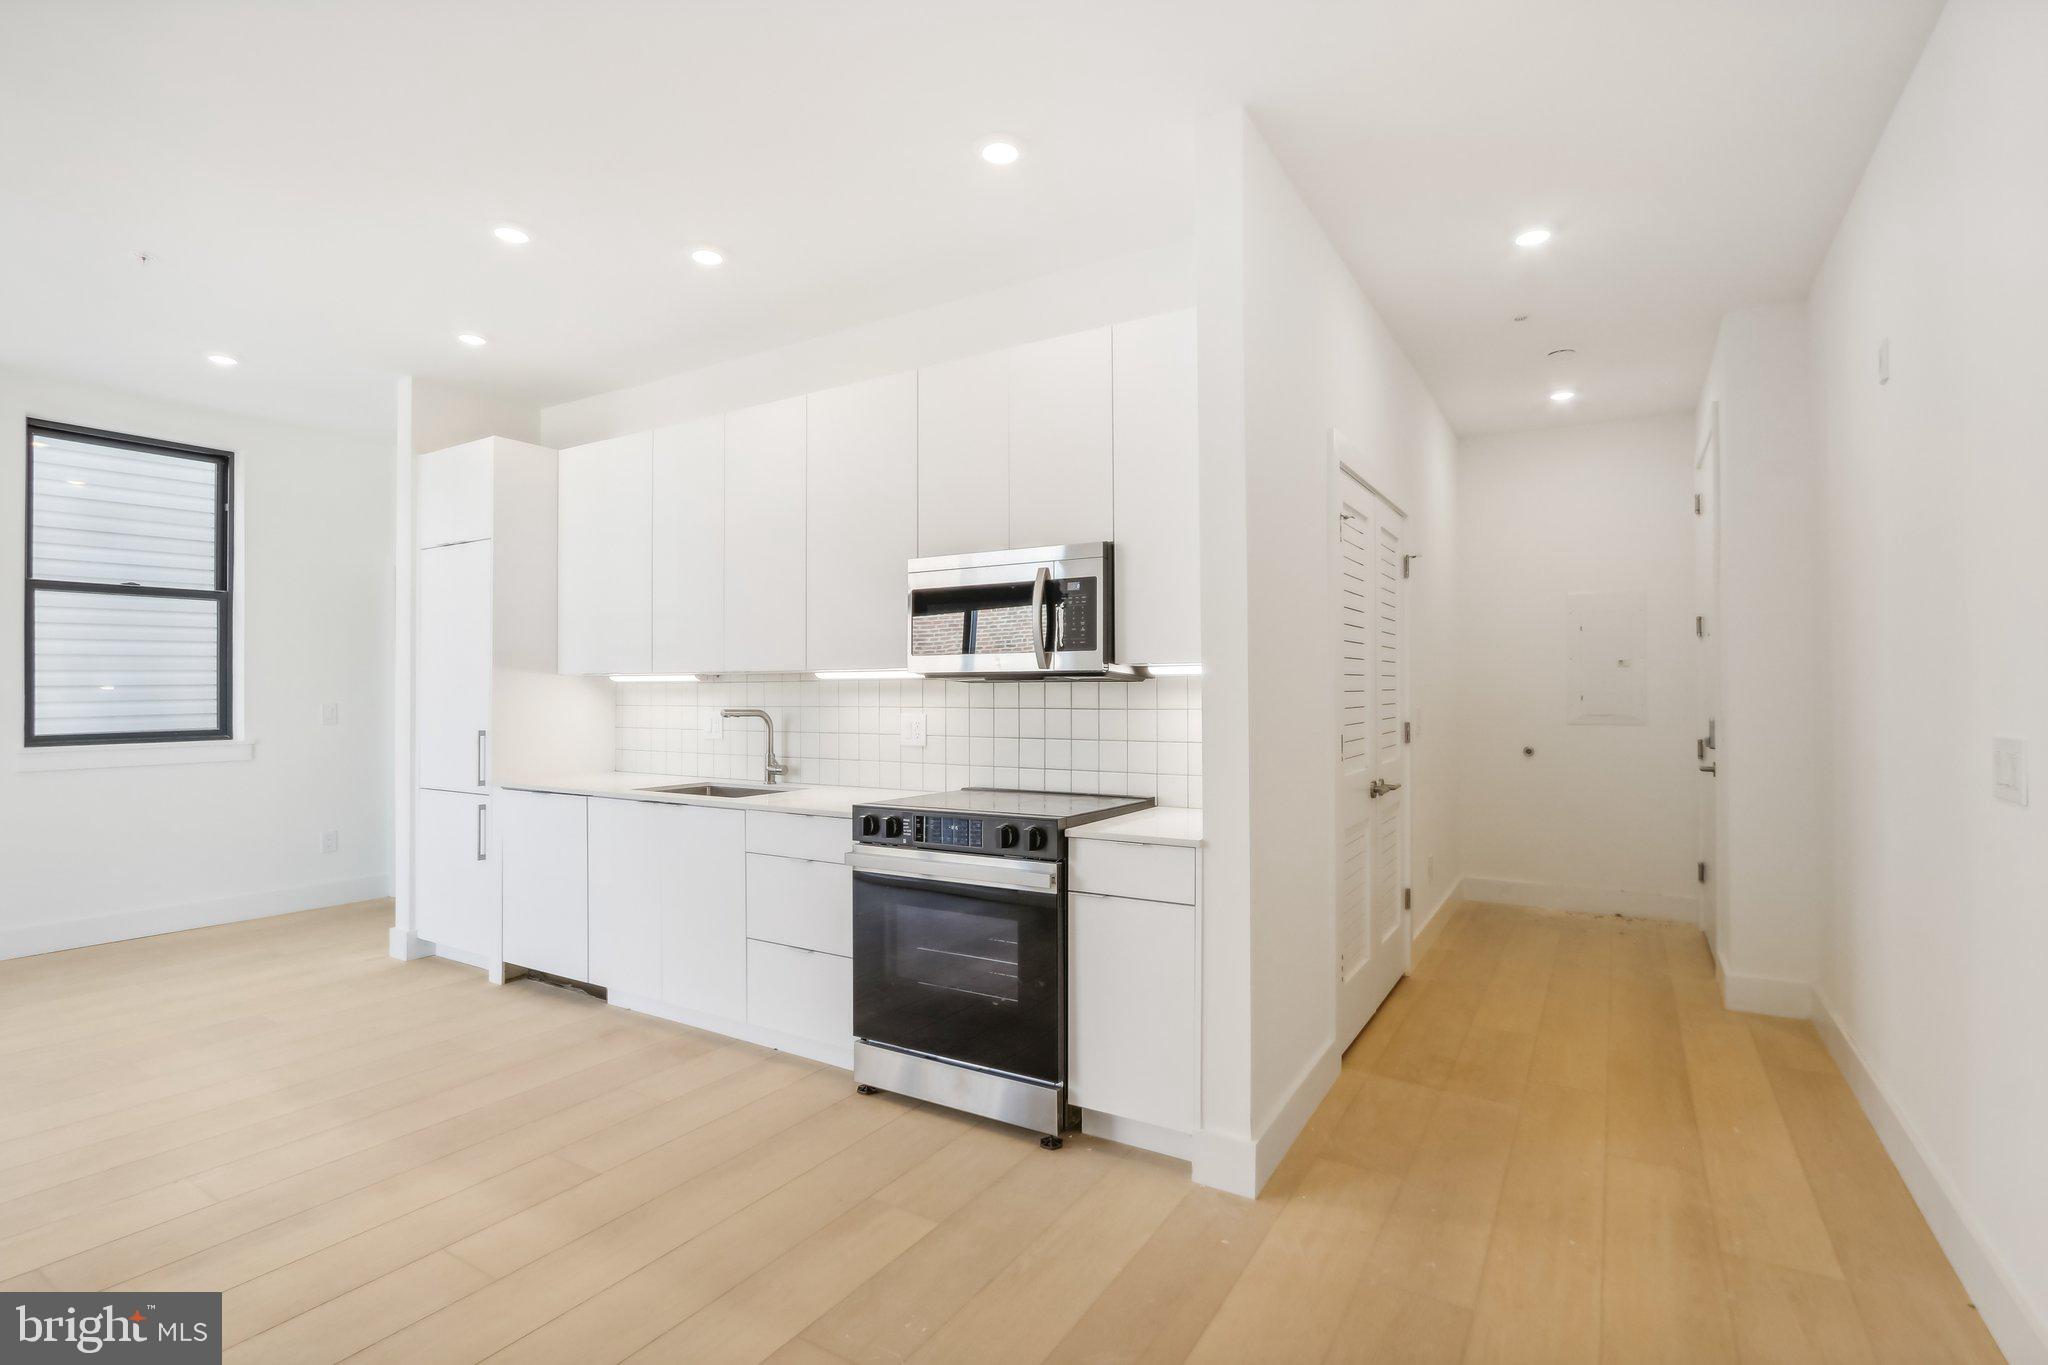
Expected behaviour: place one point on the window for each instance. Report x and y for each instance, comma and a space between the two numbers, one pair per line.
130, 611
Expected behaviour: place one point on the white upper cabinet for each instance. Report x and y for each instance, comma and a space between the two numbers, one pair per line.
606, 556
452, 666
453, 495
689, 547
764, 537
1158, 531
1059, 475
963, 456
862, 522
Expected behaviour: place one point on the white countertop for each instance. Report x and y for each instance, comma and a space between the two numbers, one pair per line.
791, 800
1153, 825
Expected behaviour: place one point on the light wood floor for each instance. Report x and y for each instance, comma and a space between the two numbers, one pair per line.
1551, 1145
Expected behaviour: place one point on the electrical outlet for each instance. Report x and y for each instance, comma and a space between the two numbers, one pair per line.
2009, 770
330, 842
330, 713
714, 724
913, 729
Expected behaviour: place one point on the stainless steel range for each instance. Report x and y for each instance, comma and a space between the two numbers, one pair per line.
960, 949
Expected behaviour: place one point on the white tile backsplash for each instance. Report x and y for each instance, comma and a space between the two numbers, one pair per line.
1138, 739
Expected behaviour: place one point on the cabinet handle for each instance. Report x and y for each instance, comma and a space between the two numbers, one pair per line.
480, 758
481, 811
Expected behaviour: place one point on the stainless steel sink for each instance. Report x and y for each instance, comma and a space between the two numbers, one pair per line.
711, 789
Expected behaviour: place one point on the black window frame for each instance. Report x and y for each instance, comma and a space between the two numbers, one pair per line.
222, 593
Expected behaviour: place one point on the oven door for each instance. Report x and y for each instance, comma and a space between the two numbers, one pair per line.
961, 959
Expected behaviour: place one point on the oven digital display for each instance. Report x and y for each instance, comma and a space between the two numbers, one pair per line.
953, 831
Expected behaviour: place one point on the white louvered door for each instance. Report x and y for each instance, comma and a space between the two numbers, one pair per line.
1372, 756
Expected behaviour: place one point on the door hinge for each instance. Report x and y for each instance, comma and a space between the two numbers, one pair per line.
1407, 732
1698, 505
1699, 626
1407, 898
1703, 873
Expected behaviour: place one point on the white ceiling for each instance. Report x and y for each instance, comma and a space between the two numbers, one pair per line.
315, 182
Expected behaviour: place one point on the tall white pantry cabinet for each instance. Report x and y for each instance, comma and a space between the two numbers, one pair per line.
487, 697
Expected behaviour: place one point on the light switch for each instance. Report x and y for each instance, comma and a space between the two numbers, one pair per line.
330, 713
912, 725
2009, 770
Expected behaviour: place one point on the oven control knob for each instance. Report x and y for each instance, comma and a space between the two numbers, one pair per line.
871, 825
893, 827
1008, 835
1037, 843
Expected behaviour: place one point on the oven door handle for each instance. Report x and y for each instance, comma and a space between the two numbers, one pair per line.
924, 865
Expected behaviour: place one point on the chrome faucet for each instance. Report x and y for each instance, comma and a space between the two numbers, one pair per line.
774, 767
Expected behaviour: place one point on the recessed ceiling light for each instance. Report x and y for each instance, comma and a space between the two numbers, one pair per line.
469, 338
708, 257
1535, 236
1000, 151
224, 360
1562, 350
512, 236
1563, 395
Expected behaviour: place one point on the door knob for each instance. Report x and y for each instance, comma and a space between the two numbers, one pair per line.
1381, 788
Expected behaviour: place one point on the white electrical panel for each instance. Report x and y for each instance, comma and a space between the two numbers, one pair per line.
1608, 682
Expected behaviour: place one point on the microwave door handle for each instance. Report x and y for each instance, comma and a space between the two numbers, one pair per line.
1038, 618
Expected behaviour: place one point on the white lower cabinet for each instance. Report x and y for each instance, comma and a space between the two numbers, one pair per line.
1133, 1021
800, 904
455, 873
704, 964
632, 875
799, 991
546, 861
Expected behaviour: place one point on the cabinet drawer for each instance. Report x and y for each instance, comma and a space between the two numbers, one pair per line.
801, 904
796, 991
821, 838
1146, 872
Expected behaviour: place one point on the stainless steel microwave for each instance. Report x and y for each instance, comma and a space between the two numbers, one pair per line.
1039, 613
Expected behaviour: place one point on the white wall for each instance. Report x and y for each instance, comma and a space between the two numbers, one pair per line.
1937, 568
1603, 817
1771, 637
1290, 350
89, 856
1116, 290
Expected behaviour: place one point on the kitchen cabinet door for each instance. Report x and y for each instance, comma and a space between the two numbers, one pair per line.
963, 456
605, 556
452, 666
1133, 1026
764, 538
634, 873
689, 547
455, 874
1157, 502
543, 847
452, 491
1059, 471
801, 992
704, 914
862, 523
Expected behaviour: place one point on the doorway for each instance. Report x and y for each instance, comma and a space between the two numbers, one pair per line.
1369, 565
1706, 625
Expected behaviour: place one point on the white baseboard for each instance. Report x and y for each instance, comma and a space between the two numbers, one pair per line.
1137, 1133
1595, 900
1422, 933
1238, 1165
407, 947
1764, 994
55, 936
1993, 1288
